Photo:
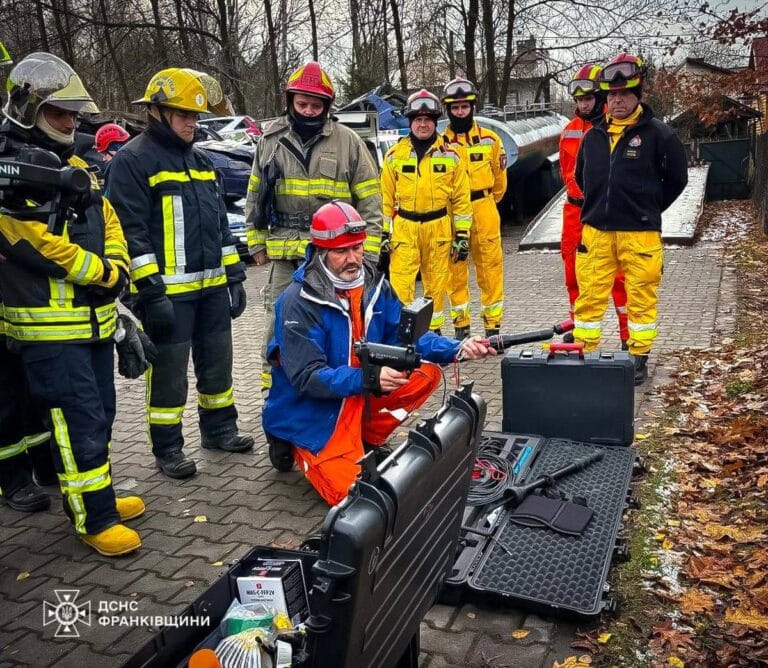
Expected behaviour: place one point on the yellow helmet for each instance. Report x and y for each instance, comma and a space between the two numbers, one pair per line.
42, 78
217, 102
176, 88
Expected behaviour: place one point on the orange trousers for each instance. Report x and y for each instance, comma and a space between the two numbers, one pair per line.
569, 243
332, 470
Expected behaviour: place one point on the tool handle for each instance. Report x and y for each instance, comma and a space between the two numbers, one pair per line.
566, 347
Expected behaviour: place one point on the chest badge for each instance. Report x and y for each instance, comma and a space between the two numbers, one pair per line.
635, 141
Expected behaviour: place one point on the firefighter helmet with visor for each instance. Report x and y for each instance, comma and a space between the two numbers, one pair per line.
586, 81
311, 79
624, 71
459, 90
422, 103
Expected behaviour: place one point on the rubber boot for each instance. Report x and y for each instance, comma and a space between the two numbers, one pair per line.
28, 499
113, 542
641, 369
130, 507
568, 337
236, 443
280, 453
176, 465
461, 333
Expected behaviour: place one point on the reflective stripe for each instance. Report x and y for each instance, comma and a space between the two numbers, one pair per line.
462, 222
35, 314
87, 481
281, 249
182, 177
220, 400
366, 188
588, 331
143, 272
75, 501
494, 310
164, 415
85, 265
573, 134
173, 233
459, 310
372, 244
115, 248
8, 451
643, 331
621, 309
143, 261
253, 183
178, 278
33, 440
62, 292
438, 320
230, 255
313, 188
386, 224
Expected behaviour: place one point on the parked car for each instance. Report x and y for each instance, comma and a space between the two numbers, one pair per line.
231, 160
236, 128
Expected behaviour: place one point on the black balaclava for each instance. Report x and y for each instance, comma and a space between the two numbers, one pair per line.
162, 131
421, 145
307, 126
461, 125
597, 111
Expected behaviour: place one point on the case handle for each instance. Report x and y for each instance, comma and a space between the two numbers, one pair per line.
567, 347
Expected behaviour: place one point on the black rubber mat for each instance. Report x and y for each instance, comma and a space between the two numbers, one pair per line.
554, 573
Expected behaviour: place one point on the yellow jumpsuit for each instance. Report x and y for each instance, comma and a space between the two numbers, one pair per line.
487, 167
424, 203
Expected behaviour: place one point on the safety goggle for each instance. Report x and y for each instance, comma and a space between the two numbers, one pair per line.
352, 227
582, 87
618, 71
424, 104
458, 90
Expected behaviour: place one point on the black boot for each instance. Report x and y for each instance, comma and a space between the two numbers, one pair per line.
568, 337
624, 345
461, 333
280, 453
28, 499
235, 443
176, 465
641, 369
380, 452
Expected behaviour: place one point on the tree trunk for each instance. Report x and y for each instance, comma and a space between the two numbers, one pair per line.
490, 52
228, 56
118, 69
41, 26
506, 70
469, 41
313, 27
187, 50
399, 45
272, 55
354, 17
161, 52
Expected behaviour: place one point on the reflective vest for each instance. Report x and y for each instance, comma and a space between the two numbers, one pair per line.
49, 282
438, 183
334, 165
174, 217
486, 161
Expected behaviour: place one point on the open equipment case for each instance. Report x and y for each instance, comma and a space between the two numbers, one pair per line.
379, 561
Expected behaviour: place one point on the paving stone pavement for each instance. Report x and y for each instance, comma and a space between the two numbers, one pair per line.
246, 503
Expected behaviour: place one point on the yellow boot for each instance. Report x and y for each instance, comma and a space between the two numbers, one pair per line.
130, 507
113, 542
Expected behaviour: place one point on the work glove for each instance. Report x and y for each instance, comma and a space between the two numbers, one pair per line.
460, 246
157, 316
237, 299
135, 352
384, 254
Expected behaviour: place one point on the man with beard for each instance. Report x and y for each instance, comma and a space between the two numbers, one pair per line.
304, 159
590, 101
316, 410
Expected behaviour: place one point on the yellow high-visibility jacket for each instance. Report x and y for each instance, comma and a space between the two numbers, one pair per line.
335, 165
486, 160
439, 181
50, 284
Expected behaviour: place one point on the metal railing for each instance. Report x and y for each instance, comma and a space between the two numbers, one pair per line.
512, 112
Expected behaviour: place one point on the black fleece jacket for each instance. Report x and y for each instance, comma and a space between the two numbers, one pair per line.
627, 189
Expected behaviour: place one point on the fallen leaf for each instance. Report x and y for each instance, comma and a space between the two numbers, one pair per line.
583, 661
747, 616
201, 518
675, 662
695, 600
519, 634
641, 437
22, 576
603, 638
217, 563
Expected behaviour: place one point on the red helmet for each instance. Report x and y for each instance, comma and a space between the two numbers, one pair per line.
337, 225
624, 71
108, 134
422, 103
311, 79
586, 81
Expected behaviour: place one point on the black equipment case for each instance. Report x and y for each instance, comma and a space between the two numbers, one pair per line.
566, 393
381, 557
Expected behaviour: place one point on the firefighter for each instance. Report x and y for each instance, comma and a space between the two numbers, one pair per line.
315, 413
185, 267
304, 159
487, 167
427, 207
590, 102
59, 288
25, 458
630, 167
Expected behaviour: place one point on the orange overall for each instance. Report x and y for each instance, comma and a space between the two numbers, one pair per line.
332, 470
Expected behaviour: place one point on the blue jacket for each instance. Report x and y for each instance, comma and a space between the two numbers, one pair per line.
311, 351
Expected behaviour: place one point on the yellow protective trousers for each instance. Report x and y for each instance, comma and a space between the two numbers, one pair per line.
486, 253
640, 257
421, 247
